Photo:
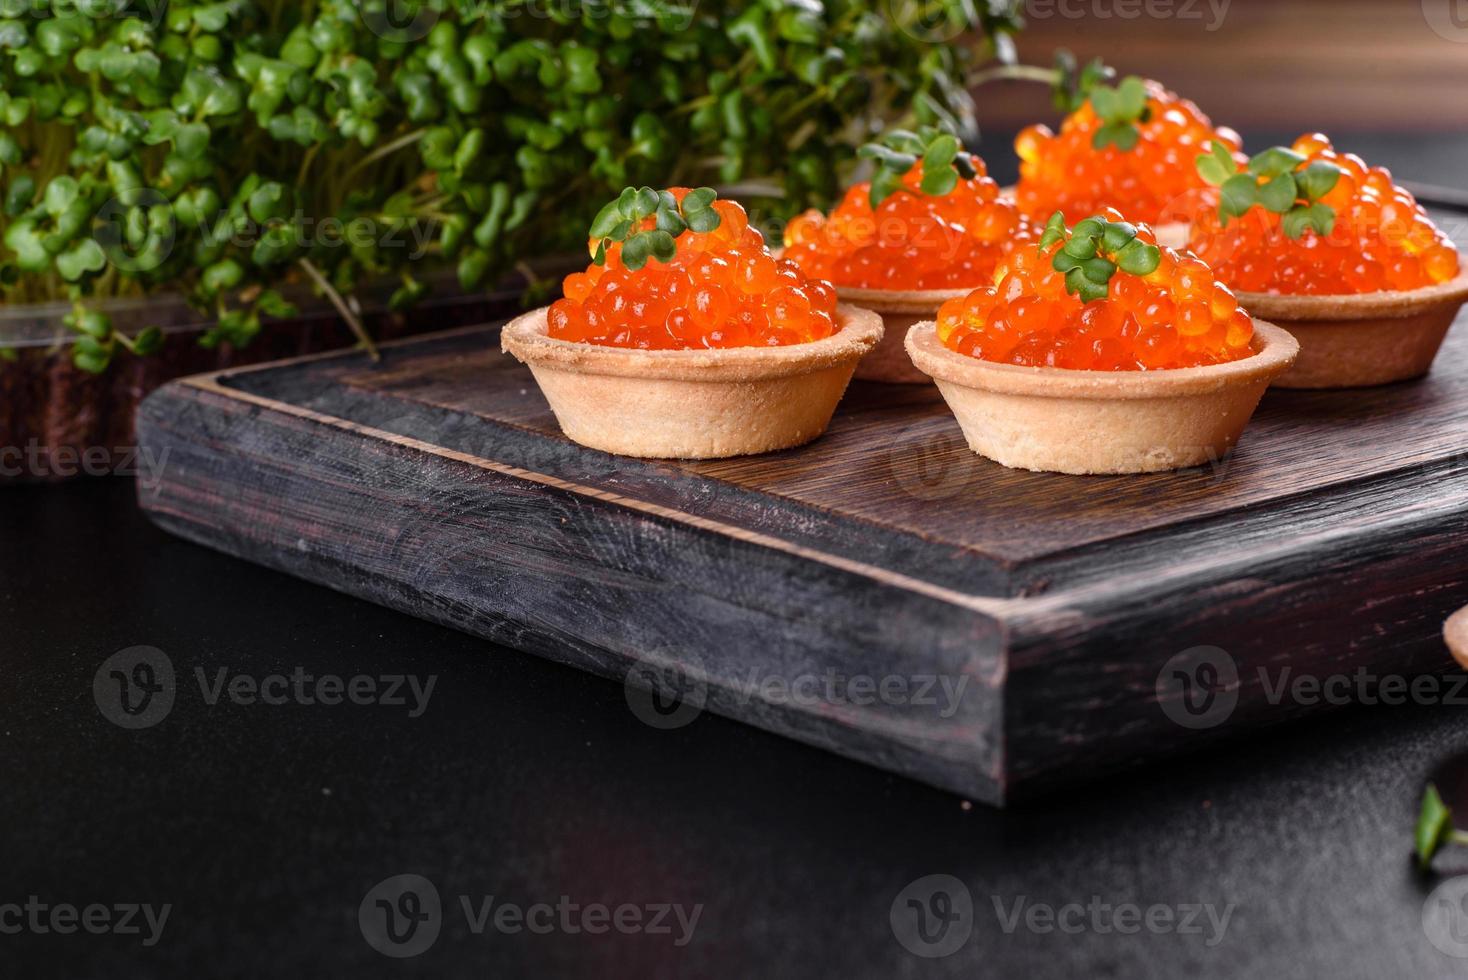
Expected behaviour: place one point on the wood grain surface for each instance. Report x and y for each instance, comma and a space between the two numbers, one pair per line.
438, 483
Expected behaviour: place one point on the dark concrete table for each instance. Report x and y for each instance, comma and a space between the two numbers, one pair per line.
264, 826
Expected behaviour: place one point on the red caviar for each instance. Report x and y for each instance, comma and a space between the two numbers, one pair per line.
721, 289
1382, 238
1150, 182
912, 240
1174, 317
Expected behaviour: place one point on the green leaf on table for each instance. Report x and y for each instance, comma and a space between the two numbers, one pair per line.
1434, 826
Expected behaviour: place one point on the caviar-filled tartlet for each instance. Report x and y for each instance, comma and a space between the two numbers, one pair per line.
930, 225
1099, 351
1335, 252
686, 339
1130, 147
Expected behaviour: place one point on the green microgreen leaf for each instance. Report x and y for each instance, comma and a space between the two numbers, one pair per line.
1318, 179
1064, 261
607, 220
1217, 165
1098, 270
1078, 283
1306, 217
1131, 97
703, 221
1237, 195
1123, 136
1139, 258
939, 151
1275, 161
887, 156
1278, 194
1120, 110
1094, 251
699, 199
937, 183
1055, 230
1434, 826
1117, 235
622, 221
1071, 87
1274, 182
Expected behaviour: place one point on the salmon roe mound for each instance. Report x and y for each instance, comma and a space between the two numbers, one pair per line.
1150, 182
721, 289
912, 240
1177, 316
1382, 239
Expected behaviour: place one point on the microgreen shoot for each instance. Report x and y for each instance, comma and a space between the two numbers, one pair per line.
1121, 110
1274, 181
623, 221
1072, 85
1092, 252
1435, 828
943, 158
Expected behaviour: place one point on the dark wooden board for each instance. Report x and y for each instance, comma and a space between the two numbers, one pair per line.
439, 484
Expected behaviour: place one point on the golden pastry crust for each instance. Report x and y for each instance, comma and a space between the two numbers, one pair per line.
1455, 632
693, 404
1093, 422
888, 362
1364, 339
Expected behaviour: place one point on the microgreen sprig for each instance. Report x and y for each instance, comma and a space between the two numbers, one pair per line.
1121, 110
622, 221
943, 157
1435, 827
1093, 252
1073, 84
1273, 181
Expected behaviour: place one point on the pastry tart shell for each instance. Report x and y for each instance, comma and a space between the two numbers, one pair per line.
900, 309
693, 404
1092, 422
1365, 339
1455, 632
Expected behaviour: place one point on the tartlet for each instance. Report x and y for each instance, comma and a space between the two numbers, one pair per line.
1130, 147
1455, 633
1364, 339
686, 339
1333, 250
1098, 352
1057, 420
693, 404
929, 226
